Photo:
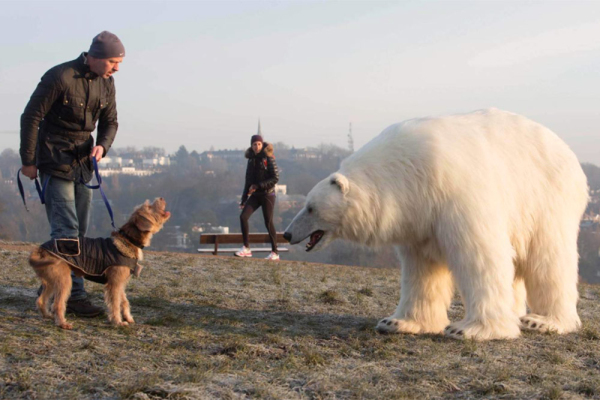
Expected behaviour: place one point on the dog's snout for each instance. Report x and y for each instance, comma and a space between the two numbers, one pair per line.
287, 236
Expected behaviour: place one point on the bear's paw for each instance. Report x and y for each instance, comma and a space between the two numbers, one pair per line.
482, 331
538, 323
392, 325
454, 332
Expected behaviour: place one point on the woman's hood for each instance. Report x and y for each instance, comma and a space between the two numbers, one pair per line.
267, 149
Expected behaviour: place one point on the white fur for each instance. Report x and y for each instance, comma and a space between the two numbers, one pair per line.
489, 201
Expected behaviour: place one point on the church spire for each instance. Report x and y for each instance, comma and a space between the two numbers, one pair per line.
259, 132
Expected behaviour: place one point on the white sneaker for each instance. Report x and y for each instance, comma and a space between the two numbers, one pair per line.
273, 256
244, 252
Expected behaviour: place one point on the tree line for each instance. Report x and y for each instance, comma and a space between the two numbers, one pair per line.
198, 190
202, 190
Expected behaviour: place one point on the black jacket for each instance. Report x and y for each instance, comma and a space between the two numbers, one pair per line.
261, 171
57, 123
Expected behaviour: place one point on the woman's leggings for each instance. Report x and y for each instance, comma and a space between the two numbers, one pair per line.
267, 202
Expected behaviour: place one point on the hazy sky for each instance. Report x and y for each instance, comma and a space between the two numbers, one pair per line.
202, 73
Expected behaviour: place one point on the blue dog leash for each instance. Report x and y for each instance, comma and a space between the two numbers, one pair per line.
42, 190
99, 186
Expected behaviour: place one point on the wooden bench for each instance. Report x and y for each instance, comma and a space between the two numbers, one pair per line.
236, 238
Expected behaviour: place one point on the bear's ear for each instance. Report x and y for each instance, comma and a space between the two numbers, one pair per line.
341, 181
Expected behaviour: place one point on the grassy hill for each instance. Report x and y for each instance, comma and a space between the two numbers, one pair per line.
221, 327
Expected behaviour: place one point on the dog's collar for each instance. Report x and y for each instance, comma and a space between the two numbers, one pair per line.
130, 240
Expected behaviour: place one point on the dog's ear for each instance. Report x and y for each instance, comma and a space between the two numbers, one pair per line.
143, 223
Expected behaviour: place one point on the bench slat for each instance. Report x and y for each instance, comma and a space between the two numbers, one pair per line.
233, 250
230, 238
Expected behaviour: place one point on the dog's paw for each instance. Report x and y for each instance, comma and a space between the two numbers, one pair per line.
66, 325
121, 323
130, 320
392, 325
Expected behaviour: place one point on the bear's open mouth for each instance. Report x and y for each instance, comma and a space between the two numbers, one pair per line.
314, 239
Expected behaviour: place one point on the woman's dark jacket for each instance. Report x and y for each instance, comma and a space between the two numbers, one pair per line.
261, 171
57, 123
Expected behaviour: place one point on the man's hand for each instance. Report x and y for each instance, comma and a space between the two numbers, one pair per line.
97, 152
29, 171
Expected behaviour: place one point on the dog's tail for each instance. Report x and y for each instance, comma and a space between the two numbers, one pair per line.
40, 258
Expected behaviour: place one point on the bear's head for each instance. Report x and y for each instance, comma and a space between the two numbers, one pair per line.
321, 218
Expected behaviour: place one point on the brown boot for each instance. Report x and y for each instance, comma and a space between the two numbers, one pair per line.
83, 308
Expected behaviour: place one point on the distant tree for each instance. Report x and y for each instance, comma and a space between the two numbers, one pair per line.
10, 162
128, 151
589, 259
182, 158
592, 172
282, 150
153, 152
3, 233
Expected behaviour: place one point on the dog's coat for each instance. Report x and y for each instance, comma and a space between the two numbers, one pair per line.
95, 257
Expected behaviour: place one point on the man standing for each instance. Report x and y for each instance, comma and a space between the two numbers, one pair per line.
56, 139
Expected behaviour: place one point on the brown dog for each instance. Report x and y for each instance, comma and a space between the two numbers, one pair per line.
119, 254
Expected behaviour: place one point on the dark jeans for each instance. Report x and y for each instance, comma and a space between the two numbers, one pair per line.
68, 211
267, 202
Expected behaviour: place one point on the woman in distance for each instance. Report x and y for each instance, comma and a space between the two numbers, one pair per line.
259, 191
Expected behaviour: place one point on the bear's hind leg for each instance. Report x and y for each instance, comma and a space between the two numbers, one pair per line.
426, 292
551, 280
484, 274
520, 296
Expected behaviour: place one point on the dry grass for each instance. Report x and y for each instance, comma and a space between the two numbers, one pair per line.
220, 327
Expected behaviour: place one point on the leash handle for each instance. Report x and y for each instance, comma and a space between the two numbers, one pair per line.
99, 186
40, 189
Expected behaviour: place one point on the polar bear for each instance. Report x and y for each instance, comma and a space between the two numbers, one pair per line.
489, 201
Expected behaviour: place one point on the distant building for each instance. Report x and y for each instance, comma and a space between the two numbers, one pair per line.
304, 154
150, 162
287, 202
280, 189
209, 156
128, 171
110, 162
209, 228
177, 238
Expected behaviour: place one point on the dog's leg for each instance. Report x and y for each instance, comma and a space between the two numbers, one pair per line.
60, 274
43, 299
114, 295
126, 308
41, 261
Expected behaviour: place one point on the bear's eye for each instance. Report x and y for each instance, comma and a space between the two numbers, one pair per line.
309, 209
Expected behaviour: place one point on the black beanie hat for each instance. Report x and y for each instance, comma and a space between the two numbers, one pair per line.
256, 138
106, 45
